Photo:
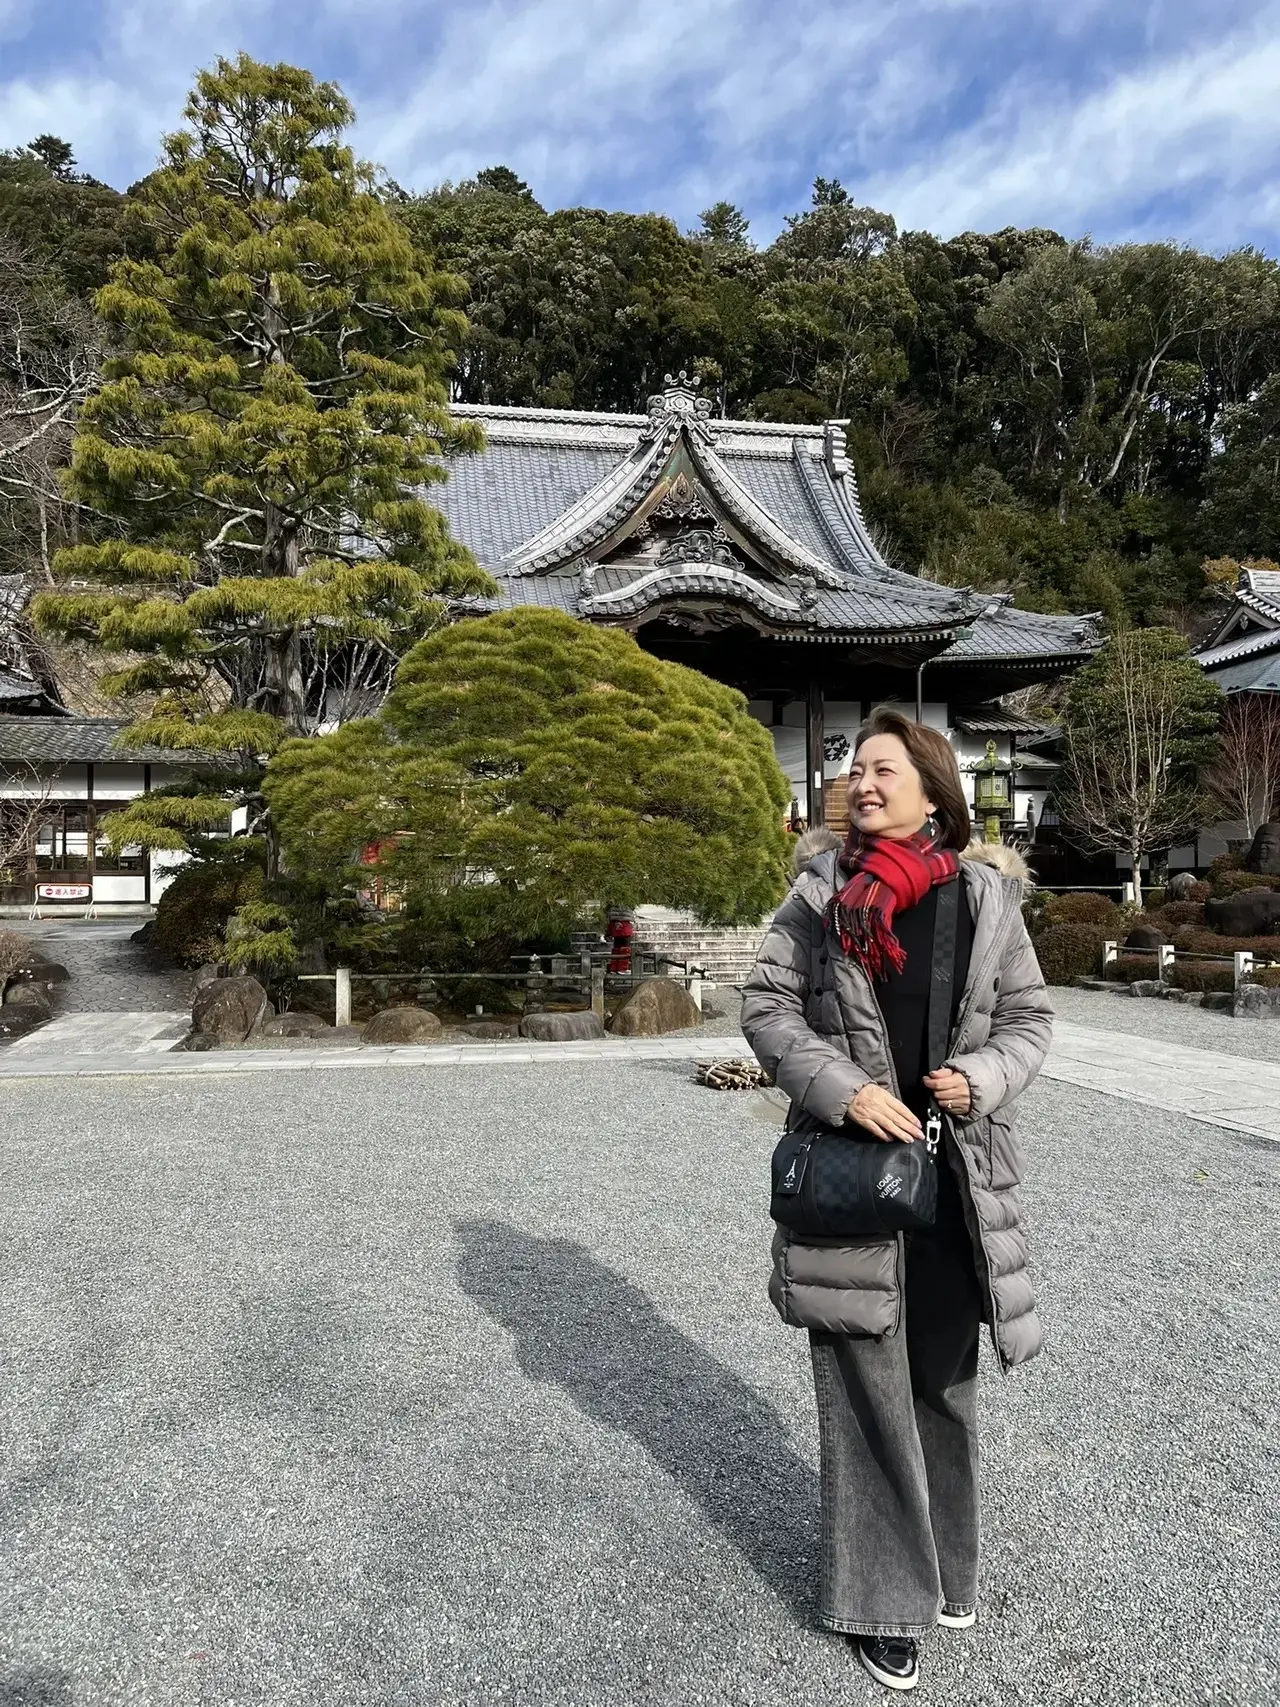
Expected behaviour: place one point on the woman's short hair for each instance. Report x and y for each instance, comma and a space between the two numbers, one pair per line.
932, 755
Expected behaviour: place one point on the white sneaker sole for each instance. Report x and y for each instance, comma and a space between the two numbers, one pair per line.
887, 1677
958, 1620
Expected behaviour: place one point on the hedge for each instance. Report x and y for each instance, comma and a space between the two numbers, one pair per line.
1070, 951
1226, 883
1081, 909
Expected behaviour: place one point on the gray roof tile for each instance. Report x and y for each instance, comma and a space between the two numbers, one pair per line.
79, 740
540, 462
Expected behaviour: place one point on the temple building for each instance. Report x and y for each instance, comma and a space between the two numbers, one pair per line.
1243, 653
740, 548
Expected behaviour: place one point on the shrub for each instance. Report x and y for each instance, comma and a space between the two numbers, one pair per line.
1153, 900
193, 913
1070, 951
1082, 909
1200, 891
1225, 862
1175, 915
1209, 942
16, 950
1128, 968
1268, 977
1232, 882
1195, 975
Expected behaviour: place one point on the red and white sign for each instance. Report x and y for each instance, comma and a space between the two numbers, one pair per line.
64, 891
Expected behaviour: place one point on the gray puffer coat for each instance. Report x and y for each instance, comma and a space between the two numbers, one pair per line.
811, 1016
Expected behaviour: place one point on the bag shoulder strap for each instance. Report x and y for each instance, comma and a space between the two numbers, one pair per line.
943, 971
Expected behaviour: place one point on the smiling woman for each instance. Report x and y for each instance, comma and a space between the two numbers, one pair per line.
889, 1008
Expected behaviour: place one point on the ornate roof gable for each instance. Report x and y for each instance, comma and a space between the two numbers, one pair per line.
673, 474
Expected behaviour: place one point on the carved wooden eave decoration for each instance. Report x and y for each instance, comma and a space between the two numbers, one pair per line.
673, 474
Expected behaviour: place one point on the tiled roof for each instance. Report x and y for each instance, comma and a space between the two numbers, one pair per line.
1243, 646
77, 741
548, 472
996, 720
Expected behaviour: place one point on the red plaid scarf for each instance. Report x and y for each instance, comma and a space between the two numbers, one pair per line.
885, 875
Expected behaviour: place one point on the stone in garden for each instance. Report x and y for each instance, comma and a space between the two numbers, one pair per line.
402, 1025
491, 1030
1264, 851
228, 1010
1219, 1001
1145, 936
30, 998
293, 1024
657, 1005
561, 1028
1256, 1001
1146, 987
1250, 912
1180, 886
204, 975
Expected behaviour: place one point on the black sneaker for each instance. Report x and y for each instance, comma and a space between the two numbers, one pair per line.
891, 1660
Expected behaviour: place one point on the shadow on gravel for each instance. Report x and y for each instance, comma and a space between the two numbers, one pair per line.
35, 1686
584, 1327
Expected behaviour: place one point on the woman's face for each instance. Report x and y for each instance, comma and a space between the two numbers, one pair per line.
886, 796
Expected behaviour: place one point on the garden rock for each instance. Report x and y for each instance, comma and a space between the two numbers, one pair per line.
490, 1030
1249, 912
1146, 987
293, 1024
1219, 1001
561, 1028
30, 998
1180, 886
228, 1009
1256, 1001
204, 975
656, 1006
402, 1025
1145, 936
1264, 851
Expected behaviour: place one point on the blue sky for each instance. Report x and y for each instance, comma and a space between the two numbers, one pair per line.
1121, 118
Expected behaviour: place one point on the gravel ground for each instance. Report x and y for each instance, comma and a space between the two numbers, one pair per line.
1145, 1016
301, 1406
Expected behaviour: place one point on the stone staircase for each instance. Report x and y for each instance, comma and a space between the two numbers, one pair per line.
725, 955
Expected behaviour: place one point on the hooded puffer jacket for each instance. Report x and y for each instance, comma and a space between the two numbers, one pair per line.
810, 1014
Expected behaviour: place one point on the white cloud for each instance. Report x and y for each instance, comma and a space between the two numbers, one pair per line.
949, 113
1200, 130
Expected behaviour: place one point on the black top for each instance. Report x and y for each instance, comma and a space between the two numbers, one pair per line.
904, 996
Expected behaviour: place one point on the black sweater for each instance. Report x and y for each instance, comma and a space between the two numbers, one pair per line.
904, 996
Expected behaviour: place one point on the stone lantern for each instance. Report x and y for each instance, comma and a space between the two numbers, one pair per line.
993, 793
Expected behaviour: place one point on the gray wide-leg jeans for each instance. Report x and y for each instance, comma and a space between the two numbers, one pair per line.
897, 1423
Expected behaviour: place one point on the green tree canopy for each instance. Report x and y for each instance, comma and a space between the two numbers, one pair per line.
528, 768
256, 444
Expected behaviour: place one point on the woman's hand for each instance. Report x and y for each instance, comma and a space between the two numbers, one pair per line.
949, 1089
884, 1116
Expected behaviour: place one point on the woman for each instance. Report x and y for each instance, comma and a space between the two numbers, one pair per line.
836, 1010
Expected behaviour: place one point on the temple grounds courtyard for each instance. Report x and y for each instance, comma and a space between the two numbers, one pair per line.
303, 1402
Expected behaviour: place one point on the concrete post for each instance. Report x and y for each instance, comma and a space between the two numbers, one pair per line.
1110, 952
1243, 967
342, 996
597, 993
695, 990
1164, 964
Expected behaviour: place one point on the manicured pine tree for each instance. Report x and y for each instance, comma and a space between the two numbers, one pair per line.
276, 401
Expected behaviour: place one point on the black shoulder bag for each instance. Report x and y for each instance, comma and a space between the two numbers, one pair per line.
833, 1182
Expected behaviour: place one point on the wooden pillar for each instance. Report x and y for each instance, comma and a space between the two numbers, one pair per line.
813, 739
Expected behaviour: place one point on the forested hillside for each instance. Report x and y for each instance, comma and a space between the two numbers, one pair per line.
1088, 427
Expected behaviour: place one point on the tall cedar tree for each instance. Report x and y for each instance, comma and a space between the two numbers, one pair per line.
276, 399
527, 768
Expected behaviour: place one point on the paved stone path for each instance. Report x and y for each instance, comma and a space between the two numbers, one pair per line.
76, 1035
109, 973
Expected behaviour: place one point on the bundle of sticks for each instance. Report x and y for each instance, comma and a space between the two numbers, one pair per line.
737, 1073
